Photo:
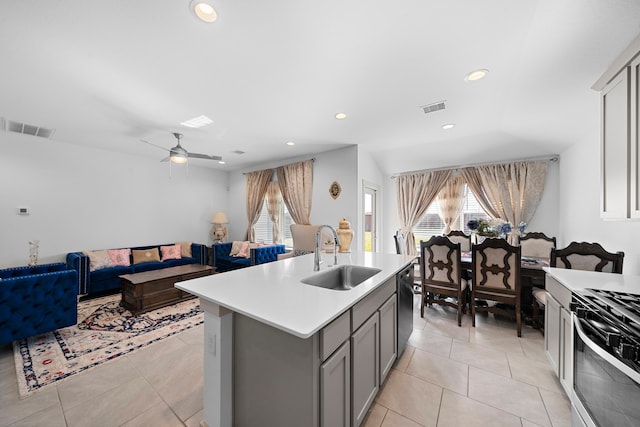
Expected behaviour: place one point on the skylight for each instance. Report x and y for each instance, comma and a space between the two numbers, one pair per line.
197, 122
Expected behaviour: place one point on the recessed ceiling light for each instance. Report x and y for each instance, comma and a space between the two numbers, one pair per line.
290, 143
341, 116
448, 126
204, 10
476, 75
197, 122
222, 162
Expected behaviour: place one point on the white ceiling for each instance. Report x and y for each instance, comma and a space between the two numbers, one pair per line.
110, 73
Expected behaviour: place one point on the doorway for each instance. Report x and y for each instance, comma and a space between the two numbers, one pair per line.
370, 219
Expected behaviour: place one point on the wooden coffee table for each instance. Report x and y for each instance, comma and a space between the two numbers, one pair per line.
149, 290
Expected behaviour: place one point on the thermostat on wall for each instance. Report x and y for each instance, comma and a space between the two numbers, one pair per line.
23, 210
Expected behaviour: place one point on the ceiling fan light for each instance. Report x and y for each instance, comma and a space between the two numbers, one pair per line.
204, 10
175, 158
178, 155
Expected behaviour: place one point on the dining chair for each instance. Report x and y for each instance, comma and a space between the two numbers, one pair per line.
496, 277
442, 275
304, 240
401, 249
578, 256
587, 256
457, 236
535, 245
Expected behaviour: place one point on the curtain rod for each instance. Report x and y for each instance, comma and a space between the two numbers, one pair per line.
552, 158
313, 159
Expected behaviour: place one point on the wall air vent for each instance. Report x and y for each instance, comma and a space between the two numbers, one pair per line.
18, 127
433, 107
238, 152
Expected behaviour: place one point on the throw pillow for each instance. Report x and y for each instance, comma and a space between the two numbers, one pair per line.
185, 249
145, 255
244, 251
120, 257
98, 259
170, 252
235, 247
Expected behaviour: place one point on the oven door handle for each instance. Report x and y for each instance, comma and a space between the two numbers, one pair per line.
635, 376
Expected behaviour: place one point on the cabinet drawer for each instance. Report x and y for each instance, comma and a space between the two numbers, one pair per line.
334, 334
362, 310
558, 291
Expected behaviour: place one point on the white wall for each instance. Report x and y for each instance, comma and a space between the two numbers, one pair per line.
337, 165
83, 199
580, 200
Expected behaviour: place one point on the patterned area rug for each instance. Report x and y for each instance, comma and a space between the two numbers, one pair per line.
104, 332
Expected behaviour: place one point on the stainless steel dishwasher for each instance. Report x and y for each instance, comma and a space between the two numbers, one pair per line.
404, 280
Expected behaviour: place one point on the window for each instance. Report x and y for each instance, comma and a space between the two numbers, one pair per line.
264, 226
432, 225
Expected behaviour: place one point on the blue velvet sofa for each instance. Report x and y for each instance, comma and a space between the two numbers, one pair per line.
37, 299
107, 279
222, 261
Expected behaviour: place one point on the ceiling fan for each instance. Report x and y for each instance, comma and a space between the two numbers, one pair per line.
178, 154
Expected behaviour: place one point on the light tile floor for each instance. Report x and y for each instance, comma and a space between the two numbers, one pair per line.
466, 376
447, 376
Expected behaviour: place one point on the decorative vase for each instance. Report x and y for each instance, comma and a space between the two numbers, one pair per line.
33, 252
345, 234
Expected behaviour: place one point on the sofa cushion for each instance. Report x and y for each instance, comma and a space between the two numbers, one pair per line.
107, 273
145, 255
170, 252
98, 259
149, 266
236, 246
185, 249
120, 257
178, 261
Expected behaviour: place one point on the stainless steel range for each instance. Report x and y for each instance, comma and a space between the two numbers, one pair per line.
606, 379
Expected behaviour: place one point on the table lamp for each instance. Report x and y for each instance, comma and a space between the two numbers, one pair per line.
219, 230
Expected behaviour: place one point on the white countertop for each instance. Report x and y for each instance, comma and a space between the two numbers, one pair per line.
578, 280
273, 294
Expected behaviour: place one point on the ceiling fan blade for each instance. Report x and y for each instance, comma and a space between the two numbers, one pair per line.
154, 145
203, 156
166, 159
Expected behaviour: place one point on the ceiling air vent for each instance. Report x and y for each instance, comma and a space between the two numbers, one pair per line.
18, 127
433, 107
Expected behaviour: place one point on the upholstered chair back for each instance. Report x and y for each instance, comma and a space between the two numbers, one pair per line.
458, 236
537, 245
496, 265
587, 256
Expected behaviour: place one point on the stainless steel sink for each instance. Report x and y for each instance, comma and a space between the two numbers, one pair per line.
341, 277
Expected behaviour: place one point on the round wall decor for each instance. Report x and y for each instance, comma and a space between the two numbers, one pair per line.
335, 190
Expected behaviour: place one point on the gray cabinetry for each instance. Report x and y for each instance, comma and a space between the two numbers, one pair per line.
558, 332
335, 389
388, 336
566, 350
330, 379
552, 332
365, 348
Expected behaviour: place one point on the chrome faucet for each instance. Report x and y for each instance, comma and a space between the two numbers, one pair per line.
336, 240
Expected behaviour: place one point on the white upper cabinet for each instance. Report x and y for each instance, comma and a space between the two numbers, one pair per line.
614, 148
619, 153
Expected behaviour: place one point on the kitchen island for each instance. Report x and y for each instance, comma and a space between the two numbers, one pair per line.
281, 352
